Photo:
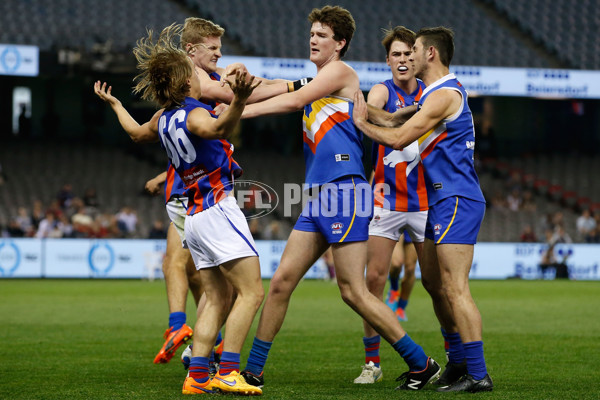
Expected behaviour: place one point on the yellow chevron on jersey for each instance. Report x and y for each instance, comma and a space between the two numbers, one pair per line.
428, 140
321, 111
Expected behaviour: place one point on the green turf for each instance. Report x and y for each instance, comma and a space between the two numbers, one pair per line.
95, 339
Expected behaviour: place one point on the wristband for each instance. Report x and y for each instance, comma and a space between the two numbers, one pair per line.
296, 85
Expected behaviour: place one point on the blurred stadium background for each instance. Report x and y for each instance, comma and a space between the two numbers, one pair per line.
537, 158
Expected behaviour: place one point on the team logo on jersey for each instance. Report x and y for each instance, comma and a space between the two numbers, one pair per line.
336, 228
437, 228
399, 104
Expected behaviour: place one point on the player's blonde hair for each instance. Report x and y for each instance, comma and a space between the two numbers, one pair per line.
195, 30
339, 20
399, 33
165, 68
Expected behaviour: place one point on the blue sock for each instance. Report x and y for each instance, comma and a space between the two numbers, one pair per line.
199, 369
176, 320
372, 349
229, 362
475, 361
412, 353
394, 283
455, 350
258, 356
402, 303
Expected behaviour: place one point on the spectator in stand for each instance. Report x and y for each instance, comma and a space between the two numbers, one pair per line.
47, 226
513, 200
273, 231
82, 221
90, 198
560, 235
586, 226
14, 229
546, 225
528, 204
498, 202
527, 235
25, 222
513, 182
37, 213
158, 230
127, 221
65, 196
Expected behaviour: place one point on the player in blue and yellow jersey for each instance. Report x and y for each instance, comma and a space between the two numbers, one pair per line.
444, 129
400, 195
215, 228
339, 205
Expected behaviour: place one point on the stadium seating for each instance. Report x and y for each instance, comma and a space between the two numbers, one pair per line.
280, 29
566, 28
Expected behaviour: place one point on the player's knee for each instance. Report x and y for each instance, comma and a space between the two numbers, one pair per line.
375, 278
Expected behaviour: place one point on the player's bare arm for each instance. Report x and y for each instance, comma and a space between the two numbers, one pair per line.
218, 91
154, 185
438, 106
336, 78
145, 133
200, 123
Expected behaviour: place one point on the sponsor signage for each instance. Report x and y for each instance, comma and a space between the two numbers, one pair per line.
482, 81
142, 259
19, 60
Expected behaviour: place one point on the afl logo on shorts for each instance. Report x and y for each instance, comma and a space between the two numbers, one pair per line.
336, 228
437, 229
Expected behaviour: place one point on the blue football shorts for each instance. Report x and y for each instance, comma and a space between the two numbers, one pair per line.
340, 211
454, 220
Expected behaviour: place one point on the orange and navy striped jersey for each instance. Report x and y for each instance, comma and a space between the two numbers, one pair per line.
215, 77
333, 145
173, 184
398, 181
205, 166
447, 150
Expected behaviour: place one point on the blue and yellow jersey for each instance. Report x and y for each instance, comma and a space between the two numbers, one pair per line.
447, 150
332, 144
205, 166
398, 180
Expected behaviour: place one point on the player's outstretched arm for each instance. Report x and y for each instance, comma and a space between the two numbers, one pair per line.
438, 106
154, 185
329, 80
145, 133
200, 123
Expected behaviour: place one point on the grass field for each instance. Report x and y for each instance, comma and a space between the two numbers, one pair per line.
95, 339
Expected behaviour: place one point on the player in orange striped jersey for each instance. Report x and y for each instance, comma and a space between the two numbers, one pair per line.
399, 189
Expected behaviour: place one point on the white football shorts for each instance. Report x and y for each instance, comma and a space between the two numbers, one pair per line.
391, 224
219, 234
177, 211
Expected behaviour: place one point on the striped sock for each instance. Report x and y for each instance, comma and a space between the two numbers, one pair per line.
372, 349
258, 356
199, 369
412, 353
229, 362
176, 320
475, 361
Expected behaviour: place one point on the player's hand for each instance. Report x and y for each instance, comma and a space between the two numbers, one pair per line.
360, 112
153, 186
231, 70
402, 115
220, 109
243, 85
105, 94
